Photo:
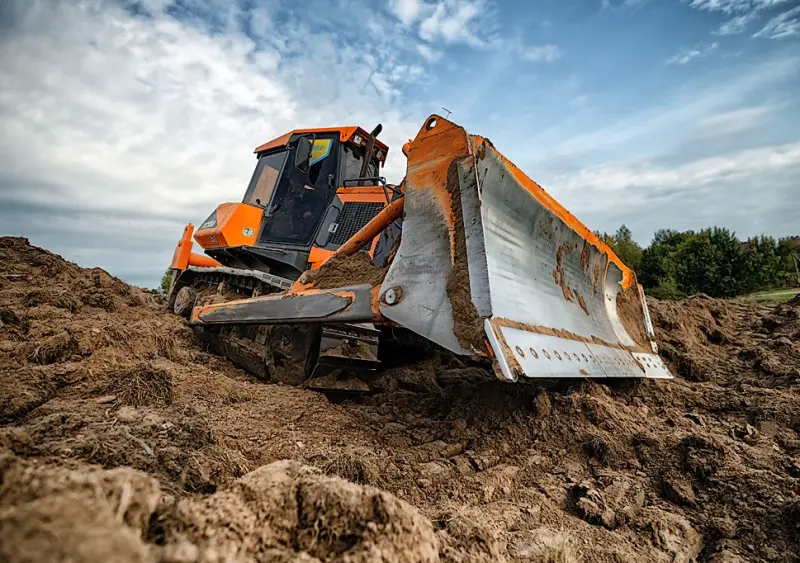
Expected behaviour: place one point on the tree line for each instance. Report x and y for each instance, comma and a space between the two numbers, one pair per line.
711, 261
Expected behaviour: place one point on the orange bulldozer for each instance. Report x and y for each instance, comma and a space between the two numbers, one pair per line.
324, 264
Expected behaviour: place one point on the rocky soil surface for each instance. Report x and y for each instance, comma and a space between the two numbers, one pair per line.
122, 439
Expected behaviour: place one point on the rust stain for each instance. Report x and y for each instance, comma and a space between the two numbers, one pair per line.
585, 256
558, 274
596, 277
511, 359
481, 153
510, 323
546, 228
566, 217
582, 303
583, 372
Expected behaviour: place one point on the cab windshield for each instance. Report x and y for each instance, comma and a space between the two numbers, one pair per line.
265, 178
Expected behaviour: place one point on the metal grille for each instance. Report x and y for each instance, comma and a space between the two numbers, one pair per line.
354, 216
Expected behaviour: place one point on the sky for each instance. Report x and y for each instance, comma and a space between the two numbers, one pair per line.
123, 120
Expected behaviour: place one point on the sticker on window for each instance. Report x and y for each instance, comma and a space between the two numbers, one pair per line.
320, 149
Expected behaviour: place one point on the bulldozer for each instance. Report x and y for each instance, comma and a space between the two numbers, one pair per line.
323, 263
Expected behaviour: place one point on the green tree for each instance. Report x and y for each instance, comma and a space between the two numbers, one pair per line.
711, 262
658, 270
166, 281
764, 264
627, 249
624, 246
789, 255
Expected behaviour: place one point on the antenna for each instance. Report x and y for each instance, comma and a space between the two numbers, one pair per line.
448, 112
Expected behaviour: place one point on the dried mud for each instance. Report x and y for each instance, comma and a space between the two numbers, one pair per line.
344, 271
122, 439
467, 324
629, 307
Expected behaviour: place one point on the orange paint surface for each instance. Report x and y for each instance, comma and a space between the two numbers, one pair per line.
371, 194
180, 258
429, 158
346, 134
183, 257
317, 257
203, 261
234, 221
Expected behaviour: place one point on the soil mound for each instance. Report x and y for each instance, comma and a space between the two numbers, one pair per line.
51, 513
284, 511
163, 451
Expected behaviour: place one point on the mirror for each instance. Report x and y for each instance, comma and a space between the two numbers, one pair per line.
302, 154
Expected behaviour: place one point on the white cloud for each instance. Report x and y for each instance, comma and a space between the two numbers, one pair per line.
689, 54
736, 24
447, 21
546, 53
698, 107
734, 6
730, 122
141, 124
782, 26
453, 21
725, 190
429, 53
406, 11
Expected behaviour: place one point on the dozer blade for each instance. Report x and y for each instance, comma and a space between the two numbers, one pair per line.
487, 255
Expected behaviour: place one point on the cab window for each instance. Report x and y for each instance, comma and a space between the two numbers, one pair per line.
352, 158
265, 178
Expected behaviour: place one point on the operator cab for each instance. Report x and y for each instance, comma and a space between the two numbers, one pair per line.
310, 191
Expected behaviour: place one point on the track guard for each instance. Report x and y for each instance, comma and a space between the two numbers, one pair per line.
541, 287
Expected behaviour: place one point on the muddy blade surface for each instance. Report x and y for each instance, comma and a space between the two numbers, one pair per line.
486, 253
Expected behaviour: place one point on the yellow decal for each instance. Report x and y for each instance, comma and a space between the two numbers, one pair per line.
320, 149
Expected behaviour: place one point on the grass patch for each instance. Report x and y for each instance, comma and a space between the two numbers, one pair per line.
144, 384
770, 297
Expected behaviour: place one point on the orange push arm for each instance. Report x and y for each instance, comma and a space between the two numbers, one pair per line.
180, 258
202, 261
369, 231
183, 257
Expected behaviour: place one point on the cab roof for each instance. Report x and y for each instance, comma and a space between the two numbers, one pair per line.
346, 134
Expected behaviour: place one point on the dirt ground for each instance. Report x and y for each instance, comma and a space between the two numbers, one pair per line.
122, 439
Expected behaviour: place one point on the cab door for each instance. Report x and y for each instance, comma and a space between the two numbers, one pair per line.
301, 198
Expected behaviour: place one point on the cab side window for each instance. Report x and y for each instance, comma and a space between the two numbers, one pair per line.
353, 157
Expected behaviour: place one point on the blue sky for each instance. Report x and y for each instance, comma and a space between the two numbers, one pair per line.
123, 120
